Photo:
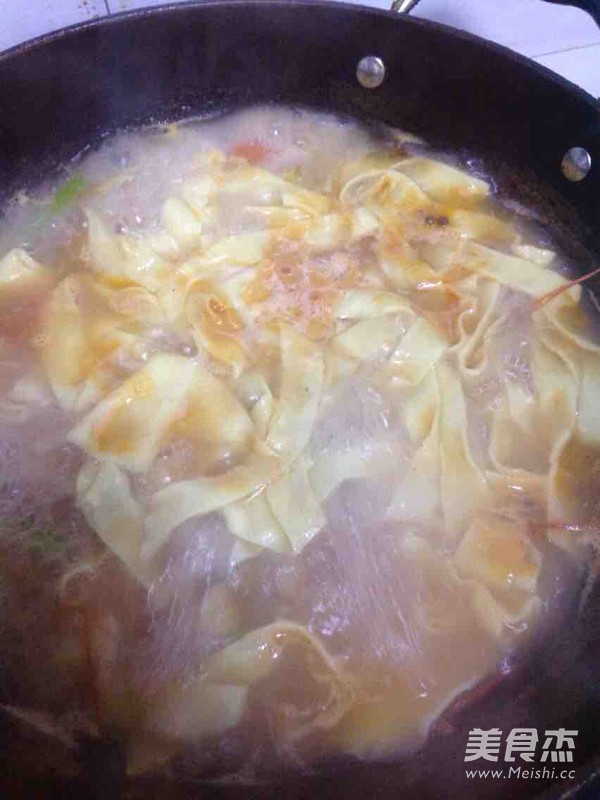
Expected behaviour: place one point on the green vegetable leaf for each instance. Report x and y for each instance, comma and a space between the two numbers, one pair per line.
48, 540
68, 192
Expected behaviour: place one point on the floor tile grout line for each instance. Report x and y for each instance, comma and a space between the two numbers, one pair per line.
566, 50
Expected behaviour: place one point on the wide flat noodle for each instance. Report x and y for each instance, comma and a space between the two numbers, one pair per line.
376, 188
371, 460
180, 501
463, 487
295, 506
518, 273
216, 325
573, 511
19, 271
488, 229
498, 553
366, 303
302, 369
192, 710
539, 255
418, 351
256, 655
573, 494
28, 395
254, 392
170, 394
128, 426
105, 497
180, 220
253, 521
370, 337
443, 182
123, 257
418, 493
501, 567
477, 325
79, 338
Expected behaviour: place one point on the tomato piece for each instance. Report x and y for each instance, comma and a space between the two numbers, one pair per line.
251, 150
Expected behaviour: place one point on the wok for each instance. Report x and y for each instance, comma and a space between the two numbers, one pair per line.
64, 92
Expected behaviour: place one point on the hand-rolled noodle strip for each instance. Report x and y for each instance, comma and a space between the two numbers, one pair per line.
518, 434
538, 255
256, 655
502, 568
463, 487
195, 709
363, 303
573, 495
418, 351
243, 551
376, 188
518, 273
488, 229
567, 320
123, 257
128, 426
216, 326
418, 494
556, 390
104, 495
172, 395
443, 182
19, 271
294, 505
369, 461
370, 337
213, 701
498, 553
476, 326
241, 250
420, 404
390, 712
406, 271
253, 521
27, 395
498, 618
80, 336
277, 217
198, 194
311, 203
335, 230
588, 411
256, 396
180, 501
265, 188
301, 382
182, 223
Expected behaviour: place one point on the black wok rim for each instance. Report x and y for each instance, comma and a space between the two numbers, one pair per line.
27, 46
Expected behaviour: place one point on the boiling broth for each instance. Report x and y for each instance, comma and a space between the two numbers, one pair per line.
288, 431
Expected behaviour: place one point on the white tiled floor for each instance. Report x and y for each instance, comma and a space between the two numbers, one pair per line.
562, 38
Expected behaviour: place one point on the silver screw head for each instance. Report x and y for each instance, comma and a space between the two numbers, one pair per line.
370, 72
576, 164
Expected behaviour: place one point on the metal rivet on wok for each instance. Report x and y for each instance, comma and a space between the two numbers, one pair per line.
370, 72
576, 164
